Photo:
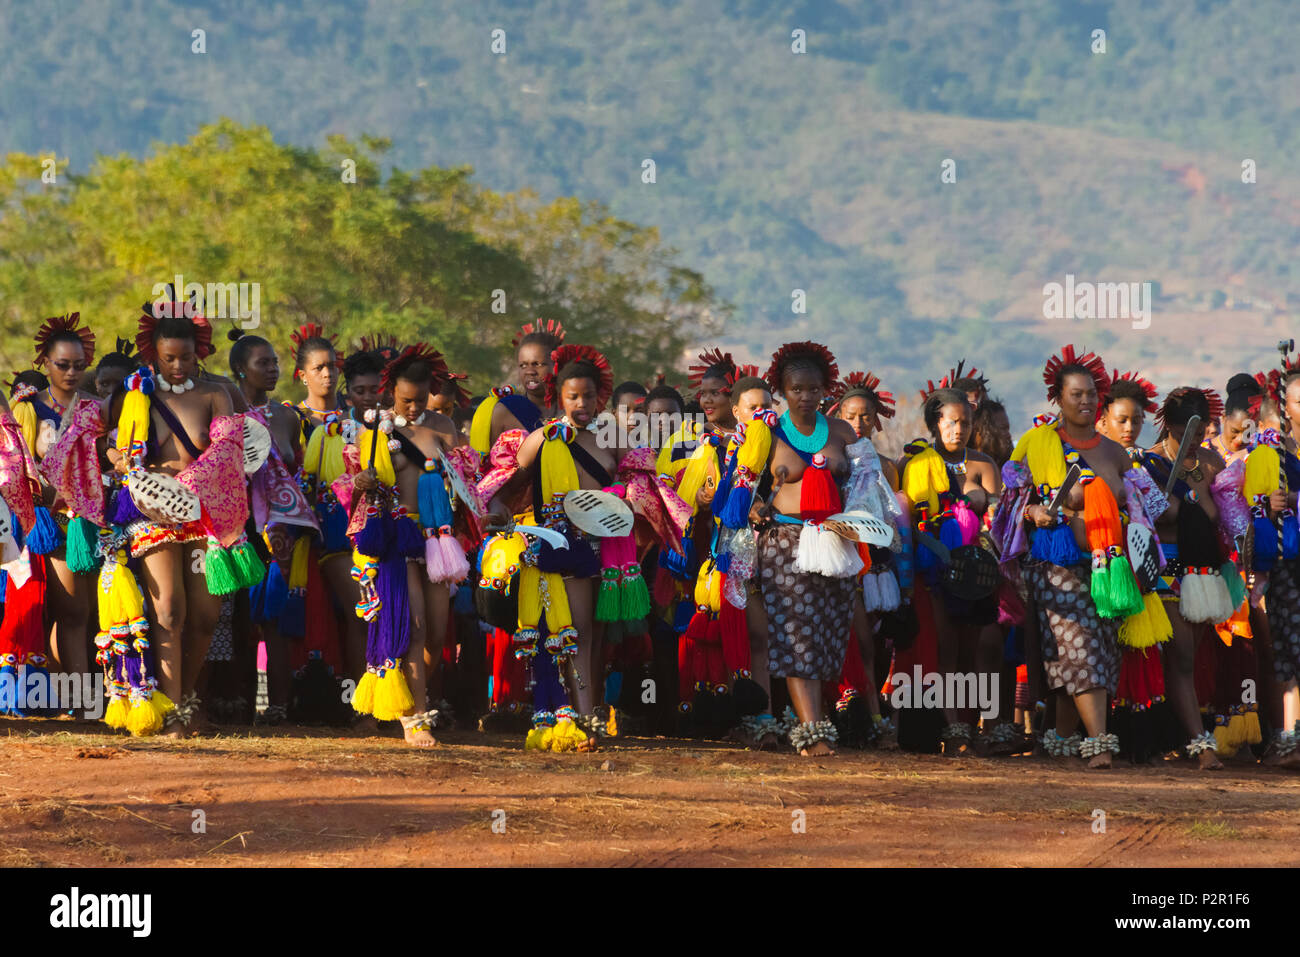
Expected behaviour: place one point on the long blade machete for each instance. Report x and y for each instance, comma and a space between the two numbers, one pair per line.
1183, 448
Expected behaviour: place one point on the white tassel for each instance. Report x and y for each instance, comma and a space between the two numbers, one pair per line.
1194, 601
890, 598
1220, 601
871, 592
822, 552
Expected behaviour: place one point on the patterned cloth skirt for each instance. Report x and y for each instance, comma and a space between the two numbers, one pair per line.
1080, 649
809, 617
1283, 603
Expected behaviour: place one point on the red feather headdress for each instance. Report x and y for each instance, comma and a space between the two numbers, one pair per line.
411, 354
461, 393
1068, 357
740, 372
706, 361
386, 346
815, 351
864, 383
549, 327
1275, 383
313, 330
1148, 389
1211, 399
573, 353
68, 323
149, 322
954, 374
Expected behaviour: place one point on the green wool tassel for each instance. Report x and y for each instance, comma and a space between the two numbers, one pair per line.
220, 570
83, 537
1125, 596
1236, 587
634, 597
1099, 587
249, 566
607, 600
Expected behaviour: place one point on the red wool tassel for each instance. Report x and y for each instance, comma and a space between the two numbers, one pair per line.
818, 496
686, 667
715, 669
854, 674
321, 624
735, 636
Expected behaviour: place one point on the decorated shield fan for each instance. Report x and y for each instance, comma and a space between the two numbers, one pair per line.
1142, 555
860, 526
601, 514
969, 572
257, 444
162, 498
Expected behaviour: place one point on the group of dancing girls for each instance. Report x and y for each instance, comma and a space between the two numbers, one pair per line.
1146, 600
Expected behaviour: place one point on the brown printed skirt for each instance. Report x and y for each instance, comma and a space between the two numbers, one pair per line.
809, 617
1080, 648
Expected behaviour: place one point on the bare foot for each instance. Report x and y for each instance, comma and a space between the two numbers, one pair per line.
1100, 760
588, 745
818, 749
418, 737
367, 727
1209, 761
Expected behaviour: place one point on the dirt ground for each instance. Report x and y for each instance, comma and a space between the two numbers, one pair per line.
74, 795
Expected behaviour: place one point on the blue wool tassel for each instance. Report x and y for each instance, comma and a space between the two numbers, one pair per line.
45, 536
124, 510
333, 526
723, 562
463, 601
293, 618
1265, 544
1056, 545
8, 689
613, 687
1290, 537
682, 615
950, 533
268, 596
927, 562
435, 506
679, 565
734, 511
407, 539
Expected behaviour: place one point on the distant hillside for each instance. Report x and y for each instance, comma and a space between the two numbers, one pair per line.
778, 171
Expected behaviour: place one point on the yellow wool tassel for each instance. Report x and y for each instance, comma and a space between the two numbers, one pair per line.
558, 615
147, 714
298, 562
701, 466
25, 416
480, 427
1161, 627
1040, 449
393, 697
120, 599
1135, 631
1262, 473
708, 587
133, 420
363, 699
117, 713
383, 458
559, 472
538, 739
611, 726
566, 736
324, 455
665, 464
924, 478
530, 596
753, 452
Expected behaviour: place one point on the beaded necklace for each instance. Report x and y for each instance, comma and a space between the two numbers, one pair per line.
807, 444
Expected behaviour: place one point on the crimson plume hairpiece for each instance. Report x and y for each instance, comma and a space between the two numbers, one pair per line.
454, 379
547, 327
954, 375
1068, 357
170, 308
576, 353
707, 360
815, 351
1148, 389
1211, 397
421, 351
313, 330
1277, 378
386, 346
739, 372
864, 384
66, 323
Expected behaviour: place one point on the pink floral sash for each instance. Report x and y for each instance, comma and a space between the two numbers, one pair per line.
72, 463
650, 497
18, 472
217, 478
276, 497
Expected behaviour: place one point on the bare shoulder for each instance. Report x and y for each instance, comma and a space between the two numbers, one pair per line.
445, 429
529, 449
1212, 458
218, 393
842, 430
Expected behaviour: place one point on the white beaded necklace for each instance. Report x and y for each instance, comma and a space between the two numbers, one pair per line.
162, 383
